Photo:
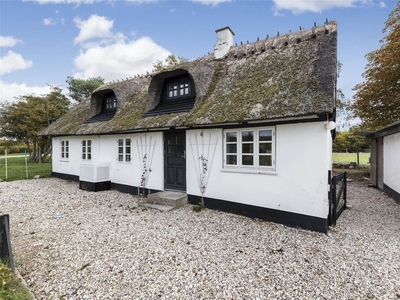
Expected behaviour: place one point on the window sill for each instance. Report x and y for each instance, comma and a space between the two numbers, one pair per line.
249, 171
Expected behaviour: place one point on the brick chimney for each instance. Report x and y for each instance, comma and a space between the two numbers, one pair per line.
224, 41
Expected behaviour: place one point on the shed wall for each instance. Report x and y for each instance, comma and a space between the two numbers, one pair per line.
391, 162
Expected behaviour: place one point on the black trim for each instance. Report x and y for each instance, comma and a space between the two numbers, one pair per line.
391, 193
266, 214
95, 186
65, 176
391, 129
130, 189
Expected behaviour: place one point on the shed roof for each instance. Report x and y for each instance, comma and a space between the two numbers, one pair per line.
292, 75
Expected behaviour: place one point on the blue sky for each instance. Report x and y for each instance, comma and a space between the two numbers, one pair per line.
44, 41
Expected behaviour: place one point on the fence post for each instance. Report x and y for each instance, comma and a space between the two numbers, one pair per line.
345, 190
5, 249
334, 200
330, 197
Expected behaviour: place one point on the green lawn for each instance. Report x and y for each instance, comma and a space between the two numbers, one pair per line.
346, 158
16, 168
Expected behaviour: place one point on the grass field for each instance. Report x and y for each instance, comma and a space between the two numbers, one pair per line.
346, 158
16, 169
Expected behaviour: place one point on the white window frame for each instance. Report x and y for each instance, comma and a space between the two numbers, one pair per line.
256, 154
64, 149
124, 150
86, 149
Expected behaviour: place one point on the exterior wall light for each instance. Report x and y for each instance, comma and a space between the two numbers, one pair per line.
330, 125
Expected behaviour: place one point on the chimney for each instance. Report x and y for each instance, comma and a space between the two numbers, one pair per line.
224, 41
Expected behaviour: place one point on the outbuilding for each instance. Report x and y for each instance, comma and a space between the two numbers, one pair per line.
385, 160
248, 128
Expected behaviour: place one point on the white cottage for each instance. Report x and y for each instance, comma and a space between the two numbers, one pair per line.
248, 128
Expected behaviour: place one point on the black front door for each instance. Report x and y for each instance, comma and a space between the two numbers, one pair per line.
175, 161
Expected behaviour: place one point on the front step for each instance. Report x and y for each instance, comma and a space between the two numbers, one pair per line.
167, 198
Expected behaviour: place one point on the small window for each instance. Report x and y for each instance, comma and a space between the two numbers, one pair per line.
249, 148
109, 102
124, 150
178, 87
87, 149
65, 149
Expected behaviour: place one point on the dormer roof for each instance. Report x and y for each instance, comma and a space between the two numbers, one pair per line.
287, 76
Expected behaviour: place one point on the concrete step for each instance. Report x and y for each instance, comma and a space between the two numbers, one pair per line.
168, 198
162, 208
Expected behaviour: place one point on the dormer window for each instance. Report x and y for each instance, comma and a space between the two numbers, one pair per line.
178, 95
179, 88
109, 102
105, 105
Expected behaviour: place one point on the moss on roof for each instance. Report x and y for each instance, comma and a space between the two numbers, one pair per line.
287, 76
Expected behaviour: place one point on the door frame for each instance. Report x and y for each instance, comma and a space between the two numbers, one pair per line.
167, 134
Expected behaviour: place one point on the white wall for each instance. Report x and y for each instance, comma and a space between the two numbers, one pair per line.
105, 150
391, 161
299, 184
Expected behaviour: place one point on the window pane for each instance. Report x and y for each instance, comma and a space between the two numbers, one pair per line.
171, 149
247, 160
180, 150
67, 143
120, 158
231, 148
128, 142
127, 158
66, 155
180, 140
120, 150
265, 148
120, 142
247, 136
231, 136
83, 149
265, 160
265, 135
128, 150
84, 143
231, 160
89, 143
247, 148
83, 156
89, 156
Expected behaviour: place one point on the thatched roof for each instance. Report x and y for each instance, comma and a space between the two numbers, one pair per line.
291, 75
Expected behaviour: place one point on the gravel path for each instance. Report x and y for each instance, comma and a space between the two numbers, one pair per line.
73, 244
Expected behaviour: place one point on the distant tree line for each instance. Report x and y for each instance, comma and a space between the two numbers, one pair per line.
348, 141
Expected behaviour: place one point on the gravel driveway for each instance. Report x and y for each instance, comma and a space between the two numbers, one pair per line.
73, 244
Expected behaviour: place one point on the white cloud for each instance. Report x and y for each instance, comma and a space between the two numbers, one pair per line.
382, 4
8, 41
12, 62
172, 10
48, 22
10, 91
301, 6
119, 60
94, 27
211, 2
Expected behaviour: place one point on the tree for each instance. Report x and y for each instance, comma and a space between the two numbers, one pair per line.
349, 142
80, 89
343, 114
23, 120
170, 62
377, 99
